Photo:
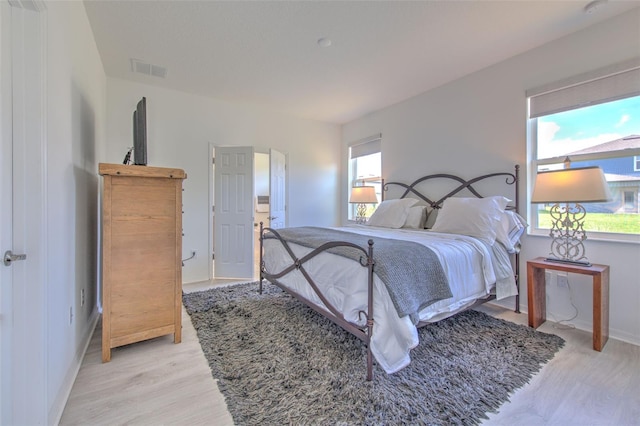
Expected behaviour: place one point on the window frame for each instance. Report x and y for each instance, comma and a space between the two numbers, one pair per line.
607, 84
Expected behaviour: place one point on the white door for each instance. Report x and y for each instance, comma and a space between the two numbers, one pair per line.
22, 282
6, 239
277, 189
233, 234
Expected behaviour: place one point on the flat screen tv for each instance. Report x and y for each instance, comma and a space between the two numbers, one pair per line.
140, 133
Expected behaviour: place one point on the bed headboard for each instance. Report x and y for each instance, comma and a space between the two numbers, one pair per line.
511, 179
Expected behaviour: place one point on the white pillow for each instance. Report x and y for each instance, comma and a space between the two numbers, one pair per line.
416, 217
476, 217
511, 228
392, 213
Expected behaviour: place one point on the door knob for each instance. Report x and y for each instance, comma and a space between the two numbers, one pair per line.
10, 257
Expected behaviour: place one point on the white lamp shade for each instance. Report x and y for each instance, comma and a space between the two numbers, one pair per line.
581, 185
363, 194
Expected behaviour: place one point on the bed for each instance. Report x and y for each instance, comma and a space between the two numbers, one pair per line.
418, 260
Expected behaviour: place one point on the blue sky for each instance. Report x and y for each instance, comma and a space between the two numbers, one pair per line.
573, 130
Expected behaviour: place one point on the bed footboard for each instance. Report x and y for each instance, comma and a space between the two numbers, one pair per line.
363, 333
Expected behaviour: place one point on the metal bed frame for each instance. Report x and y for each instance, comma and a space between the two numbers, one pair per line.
365, 332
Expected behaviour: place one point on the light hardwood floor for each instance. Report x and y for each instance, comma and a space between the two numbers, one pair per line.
158, 382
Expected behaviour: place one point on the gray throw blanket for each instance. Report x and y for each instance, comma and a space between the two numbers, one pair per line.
411, 272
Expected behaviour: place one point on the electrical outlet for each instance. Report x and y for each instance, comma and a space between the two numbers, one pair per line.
563, 280
70, 315
82, 297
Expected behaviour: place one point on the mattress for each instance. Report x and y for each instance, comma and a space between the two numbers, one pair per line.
474, 271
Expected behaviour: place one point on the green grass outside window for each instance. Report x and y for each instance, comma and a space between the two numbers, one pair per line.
619, 223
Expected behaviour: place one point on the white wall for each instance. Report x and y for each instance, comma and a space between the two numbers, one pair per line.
477, 125
75, 133
180, 127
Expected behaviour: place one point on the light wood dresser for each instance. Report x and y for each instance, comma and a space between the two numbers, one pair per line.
141, 254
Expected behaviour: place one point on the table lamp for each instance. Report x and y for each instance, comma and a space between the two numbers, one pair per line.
567, 188
362, 195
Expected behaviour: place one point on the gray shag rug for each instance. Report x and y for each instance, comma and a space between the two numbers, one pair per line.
278, 362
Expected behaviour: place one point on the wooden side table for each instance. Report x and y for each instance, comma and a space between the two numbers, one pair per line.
537, 298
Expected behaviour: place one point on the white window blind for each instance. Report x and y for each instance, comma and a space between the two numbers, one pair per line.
366, 146
608, 84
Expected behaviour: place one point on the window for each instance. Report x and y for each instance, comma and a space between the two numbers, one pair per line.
629, 201
365, 168
595, 121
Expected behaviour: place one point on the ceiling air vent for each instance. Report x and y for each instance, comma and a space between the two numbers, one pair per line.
148, 69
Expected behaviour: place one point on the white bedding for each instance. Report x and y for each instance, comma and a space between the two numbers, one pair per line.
473, 269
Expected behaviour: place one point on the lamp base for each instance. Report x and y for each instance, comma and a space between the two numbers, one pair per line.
361, 212
568, 234
570, 262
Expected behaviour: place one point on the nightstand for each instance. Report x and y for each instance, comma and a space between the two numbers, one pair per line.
537, 299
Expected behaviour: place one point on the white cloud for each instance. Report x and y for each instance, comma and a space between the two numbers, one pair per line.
623, 120
548, 147
546, 132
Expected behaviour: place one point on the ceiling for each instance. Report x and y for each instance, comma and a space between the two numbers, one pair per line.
267, 52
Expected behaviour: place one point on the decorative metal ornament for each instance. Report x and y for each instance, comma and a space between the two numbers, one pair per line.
567, 233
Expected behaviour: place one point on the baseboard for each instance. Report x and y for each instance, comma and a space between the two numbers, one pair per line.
57, 407
614, 333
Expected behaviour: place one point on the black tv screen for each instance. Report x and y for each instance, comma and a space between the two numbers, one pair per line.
140, 133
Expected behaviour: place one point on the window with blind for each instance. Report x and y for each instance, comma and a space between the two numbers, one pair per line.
594, 119
365, 168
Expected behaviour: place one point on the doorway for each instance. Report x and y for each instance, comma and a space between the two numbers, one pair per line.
234, 239
261, 204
